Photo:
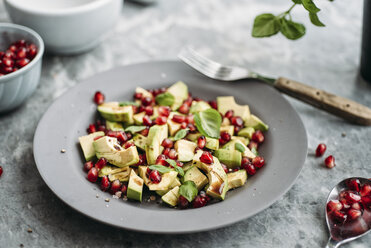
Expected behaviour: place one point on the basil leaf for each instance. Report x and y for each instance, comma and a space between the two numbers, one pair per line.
292, 30
180, 134
176, 167
240, 147
188, 190
160, 168
135, 129
165, 99
208, 123
315, 20
122, 104
310, 6
265, 25
253, 150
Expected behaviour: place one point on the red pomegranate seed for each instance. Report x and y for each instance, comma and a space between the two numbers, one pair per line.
180, 164
356, 206
237, 129
330, 162
190, 119
128, 144
178, 118
258, 136
145, 132
138, 96
91, 128
148, 110
9, 54
124, 189
98, 98
354, 214
31, 51
201, 142
206, 158
184, 109
237, 121
366, 201
199, 202
225, 168
250, 169
225, 136
21, 53
100, 163
352, 197
8, 62
88, 165
334, 205
1, 170
258, 162
20, 43
183, 202
253, 144
129, 135
191, 127
115, 186
321, 148
141, 109
13, 48
183, 125
161, 120
339, 216
365, 190
135, 109
22, 62
105, 183
166, 152
213, 104
167, 143
173, 154
146, 101
122, 137
188, 101
101, 128
245, 162
161, 160
354, 184
164, 111
147, 121
229, 114
92, 175
142, 159
155, 177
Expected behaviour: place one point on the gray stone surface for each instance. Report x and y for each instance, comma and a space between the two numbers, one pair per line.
327, 58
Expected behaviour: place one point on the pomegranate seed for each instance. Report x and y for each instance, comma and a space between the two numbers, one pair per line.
164, 111
321, 148
88, 165
8, 62
20, 43
330, 162
352, 197
166, 152
365, 190
100, 163
334, 205
199, 202
21, 53
161, 160
183, 202
135, 109
366, 201
138, 96
183, 125
356, 206
155, 177
179, 118
148, 110
354, 184
101, 128
22, 62
192, 128
221, 141
91, 128
147, 121
354, 214
173, 154
258, 162
98, 98
258, 136
121, 137
229, 114
213, 104
146, 101
203, 195
9, 54
13, 48
142, 159
225, 168
7, 70
1, 170
184, 109
206, 158
201, 142
237, 121
250, 169
128, 144
161, 120
31, 51
253, 144
190, 119
225, 136
141, 109
115, 186
92, 175
167, 143
245, 162
145, 132
188, 101
148, 171
339, 216
236, 129
180, 164
124, 189
105, 183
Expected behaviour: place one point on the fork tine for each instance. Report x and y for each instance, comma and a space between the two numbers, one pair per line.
196, 65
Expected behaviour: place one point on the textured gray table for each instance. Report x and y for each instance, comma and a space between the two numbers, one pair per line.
327, 58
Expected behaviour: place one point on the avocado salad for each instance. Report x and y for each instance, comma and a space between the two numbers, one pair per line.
181, 148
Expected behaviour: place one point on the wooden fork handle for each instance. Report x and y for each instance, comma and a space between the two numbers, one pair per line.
339, 106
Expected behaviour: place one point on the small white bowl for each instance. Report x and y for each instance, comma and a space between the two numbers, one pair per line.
17, 86
67, 26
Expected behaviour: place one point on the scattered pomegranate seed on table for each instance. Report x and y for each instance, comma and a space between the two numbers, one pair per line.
1, 170
98, 98
321, 149
330, 162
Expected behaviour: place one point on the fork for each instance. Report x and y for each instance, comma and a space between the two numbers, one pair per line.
339, 106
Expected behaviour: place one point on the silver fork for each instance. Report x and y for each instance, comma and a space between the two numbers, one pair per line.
339, 106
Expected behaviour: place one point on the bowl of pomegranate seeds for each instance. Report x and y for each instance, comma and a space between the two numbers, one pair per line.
21, 51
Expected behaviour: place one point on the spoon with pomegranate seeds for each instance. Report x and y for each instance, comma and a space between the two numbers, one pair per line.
348, 211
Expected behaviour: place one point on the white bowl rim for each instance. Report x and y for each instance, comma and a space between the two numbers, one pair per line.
61, 12
39, 54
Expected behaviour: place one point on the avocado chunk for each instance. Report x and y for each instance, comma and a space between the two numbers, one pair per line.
187, 166
173, 126
86, 143
243, 140
195, 175
246, 132
226, 103
175, 183
138, 118
231, 158
236, 179
171, 197
142, 171
145, 93
114, 126
229, 129
180, 92
225, 122
211, 143
185, 150
121, 176
256, 123
167, 179
135, 187
231, 145
112, 111
198, 106
156, 135
140, 141
107, 144
108, 170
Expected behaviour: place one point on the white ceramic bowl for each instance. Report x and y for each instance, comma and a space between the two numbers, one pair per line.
17, 86
67, 26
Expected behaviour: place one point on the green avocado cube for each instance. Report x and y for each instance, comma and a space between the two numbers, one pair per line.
135, 187
236, 179
171, 197
231, 158
226, 103
185, 150
246, 132
256, 123
114, 126
86, 143
195, 175
180, 92
112, 111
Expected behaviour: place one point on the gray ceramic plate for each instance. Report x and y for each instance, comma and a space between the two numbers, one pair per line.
67, 118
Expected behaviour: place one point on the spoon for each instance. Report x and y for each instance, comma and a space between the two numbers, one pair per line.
348, 230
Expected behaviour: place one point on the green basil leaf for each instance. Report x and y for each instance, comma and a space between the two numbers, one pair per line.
180, 134
208, 123
122, 104
292, 30
265, 25
315, 20
165, 99
310, 6
297, 1
189, 190
253, 150
240, 147
135, 129
176, 167
160, 168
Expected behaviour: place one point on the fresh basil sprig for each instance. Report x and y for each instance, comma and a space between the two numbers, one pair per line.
160, 168
188, 190
135, 129
176, 167
165, 99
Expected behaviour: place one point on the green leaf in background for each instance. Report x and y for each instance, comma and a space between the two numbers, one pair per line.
135, 129
265, 25
253, 150
122, 104
165, 99
310, 6
160, 168
297, 1
315, 20
188, 190
208, 123
180, 134
240, 147
176, 167
292, 30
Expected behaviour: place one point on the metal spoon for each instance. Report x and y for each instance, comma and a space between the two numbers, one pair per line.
364, 221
